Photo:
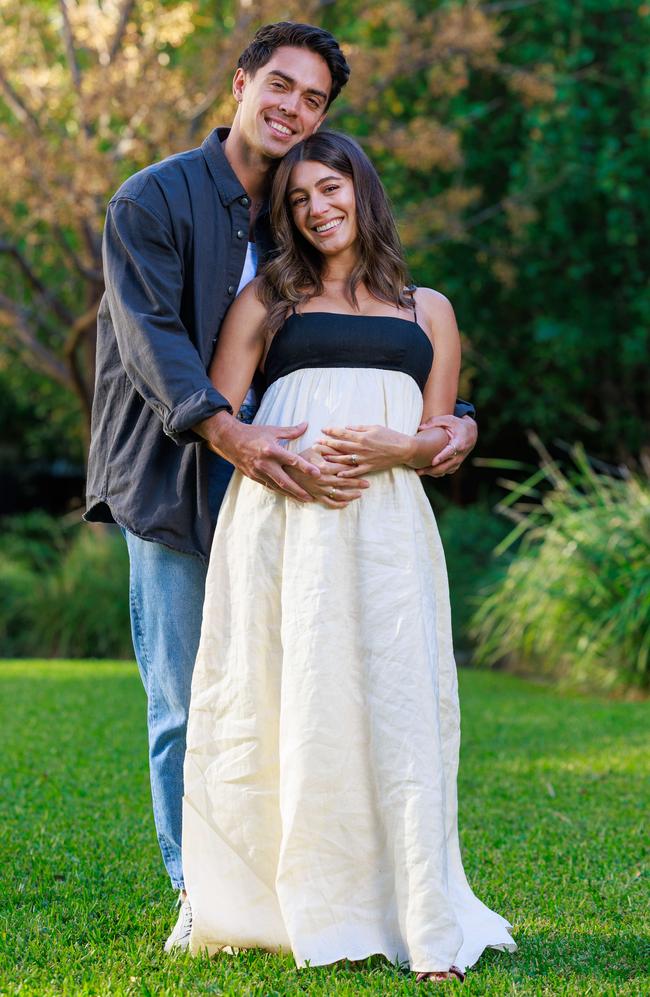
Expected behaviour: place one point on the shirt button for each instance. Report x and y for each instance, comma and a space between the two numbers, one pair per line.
245, 201
231, 289
240, 234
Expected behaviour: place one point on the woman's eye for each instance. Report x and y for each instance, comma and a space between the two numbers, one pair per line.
331, 189
298, 201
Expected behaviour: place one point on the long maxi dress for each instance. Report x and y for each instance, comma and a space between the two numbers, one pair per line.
320, 808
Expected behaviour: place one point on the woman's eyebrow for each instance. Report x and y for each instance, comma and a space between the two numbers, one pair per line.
292, 82
294, 190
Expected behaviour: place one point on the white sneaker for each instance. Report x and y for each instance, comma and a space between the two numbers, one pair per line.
179, 939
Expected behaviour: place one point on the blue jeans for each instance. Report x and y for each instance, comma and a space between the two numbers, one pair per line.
166, 600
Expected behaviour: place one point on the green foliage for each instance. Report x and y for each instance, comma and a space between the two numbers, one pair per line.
469, 535
63, 591
552, 794
575, 600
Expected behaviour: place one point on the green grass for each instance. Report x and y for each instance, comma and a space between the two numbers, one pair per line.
552, 805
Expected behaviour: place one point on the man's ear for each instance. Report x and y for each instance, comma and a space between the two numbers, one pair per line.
238, 84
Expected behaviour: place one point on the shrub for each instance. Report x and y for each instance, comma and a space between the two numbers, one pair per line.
575, 600
469, 535
63, 590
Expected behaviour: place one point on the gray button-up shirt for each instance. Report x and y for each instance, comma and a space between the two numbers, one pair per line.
174, 249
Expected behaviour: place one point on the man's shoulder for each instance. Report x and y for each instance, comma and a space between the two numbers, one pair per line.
159, 177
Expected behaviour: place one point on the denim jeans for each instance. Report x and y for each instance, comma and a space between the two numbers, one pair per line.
166, 601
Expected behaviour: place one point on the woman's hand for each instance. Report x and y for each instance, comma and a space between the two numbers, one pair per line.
358, 450
330, 489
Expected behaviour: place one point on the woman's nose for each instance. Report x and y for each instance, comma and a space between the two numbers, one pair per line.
318, 204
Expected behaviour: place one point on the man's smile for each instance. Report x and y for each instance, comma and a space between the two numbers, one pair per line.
279, 127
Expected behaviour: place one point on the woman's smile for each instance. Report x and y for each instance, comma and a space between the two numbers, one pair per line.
326, 228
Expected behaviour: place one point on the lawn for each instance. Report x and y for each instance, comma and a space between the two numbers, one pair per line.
552, 798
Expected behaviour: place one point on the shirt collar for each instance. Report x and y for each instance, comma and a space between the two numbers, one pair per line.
222, 173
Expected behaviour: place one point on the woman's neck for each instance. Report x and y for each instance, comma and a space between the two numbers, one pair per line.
339, 268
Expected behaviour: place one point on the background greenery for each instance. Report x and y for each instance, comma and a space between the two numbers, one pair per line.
512, 137
553, 799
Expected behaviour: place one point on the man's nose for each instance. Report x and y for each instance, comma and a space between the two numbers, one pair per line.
289, 103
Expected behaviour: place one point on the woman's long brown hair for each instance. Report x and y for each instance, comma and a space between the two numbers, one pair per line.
295, 272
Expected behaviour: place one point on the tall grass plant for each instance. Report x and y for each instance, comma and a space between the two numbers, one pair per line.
574, 602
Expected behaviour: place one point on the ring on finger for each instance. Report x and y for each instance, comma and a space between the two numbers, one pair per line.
331, 492
354, 459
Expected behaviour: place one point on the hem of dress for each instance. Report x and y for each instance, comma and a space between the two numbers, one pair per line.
506, 944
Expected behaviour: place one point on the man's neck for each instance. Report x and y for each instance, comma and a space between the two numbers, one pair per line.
251, 169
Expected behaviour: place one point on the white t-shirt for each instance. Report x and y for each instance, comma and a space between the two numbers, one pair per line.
249, 271
250, 267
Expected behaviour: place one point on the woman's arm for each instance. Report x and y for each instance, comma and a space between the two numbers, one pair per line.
364, 449
439, 396
254, 450
239, 348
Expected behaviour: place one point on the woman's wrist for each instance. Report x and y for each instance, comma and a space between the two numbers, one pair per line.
410, 454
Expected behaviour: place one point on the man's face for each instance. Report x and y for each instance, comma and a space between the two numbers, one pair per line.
284, 102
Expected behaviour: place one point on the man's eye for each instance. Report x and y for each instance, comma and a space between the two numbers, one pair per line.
278, 84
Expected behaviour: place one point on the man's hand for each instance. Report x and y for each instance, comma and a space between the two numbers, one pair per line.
463, 434
331, 489
257, 452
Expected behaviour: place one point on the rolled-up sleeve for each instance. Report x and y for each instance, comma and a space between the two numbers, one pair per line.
144, 284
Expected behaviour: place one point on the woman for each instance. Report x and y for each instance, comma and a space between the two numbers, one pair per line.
320, 775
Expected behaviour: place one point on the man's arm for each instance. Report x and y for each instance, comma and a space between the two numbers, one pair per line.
144, 285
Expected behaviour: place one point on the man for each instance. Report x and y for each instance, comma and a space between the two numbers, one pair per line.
182, 237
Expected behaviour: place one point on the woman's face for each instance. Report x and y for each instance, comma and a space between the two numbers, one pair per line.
323, 207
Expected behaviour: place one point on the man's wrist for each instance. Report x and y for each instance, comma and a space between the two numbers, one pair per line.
216, 428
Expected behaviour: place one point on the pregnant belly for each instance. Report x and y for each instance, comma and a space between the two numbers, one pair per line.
341, 396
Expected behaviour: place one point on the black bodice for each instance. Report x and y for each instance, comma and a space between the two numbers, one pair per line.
332, 339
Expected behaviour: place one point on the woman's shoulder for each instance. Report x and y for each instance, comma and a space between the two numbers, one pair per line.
437, 312
431, 301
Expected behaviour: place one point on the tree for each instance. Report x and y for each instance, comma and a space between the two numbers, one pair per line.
92, 90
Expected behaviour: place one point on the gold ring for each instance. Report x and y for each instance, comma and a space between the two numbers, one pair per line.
354, 459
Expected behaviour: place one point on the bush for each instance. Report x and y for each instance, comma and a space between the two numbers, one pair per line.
575, 600
63, 591
469, 535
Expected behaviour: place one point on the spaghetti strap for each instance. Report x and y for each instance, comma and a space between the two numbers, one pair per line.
411, 289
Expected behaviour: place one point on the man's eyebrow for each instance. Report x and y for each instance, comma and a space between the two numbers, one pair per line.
290, 79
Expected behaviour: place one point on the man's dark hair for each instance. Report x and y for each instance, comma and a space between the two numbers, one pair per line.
272, 36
